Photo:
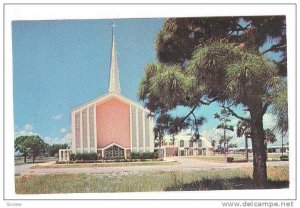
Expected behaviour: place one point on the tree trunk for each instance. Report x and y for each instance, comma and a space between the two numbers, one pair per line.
225, 142
266, 148
246, 149
259, 149
24, 159
282, 144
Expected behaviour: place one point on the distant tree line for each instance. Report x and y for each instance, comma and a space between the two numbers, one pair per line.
33, 146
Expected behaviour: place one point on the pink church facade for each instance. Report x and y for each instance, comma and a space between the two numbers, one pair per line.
111, 114
111, 120
112, 125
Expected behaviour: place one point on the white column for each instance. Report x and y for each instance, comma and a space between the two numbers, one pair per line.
73, 145
65, 155
59, 155
68, 155
95, 127
81, 132
144, 132
130, 128
88, 128
137, 130
151, 126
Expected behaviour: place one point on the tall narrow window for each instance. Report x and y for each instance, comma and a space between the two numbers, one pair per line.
133, 127
147, 131
84, 128
141, 128
190, 143
92, 128
77, 130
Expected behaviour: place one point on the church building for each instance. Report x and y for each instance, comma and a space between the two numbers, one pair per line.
112, 125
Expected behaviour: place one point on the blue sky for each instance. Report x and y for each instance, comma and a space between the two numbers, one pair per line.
61, 64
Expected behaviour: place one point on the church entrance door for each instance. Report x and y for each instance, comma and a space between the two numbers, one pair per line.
114, 152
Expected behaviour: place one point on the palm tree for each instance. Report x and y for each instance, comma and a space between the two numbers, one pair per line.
244, 129
158, 136
228, 138
221, 141
223, 117
270, 138
213, 144
173, 139
280, 107
196, 136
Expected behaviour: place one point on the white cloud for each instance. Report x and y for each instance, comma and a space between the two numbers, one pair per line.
63, 130
211, 133
57, 117
28, 127
66, 139
26, 130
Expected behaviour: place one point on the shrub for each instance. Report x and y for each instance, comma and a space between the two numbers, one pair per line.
89, 156
230, 159
284, 158
113, 159
144, 155
86, 156
72, 157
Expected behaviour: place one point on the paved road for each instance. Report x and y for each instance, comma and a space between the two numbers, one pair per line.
186, 164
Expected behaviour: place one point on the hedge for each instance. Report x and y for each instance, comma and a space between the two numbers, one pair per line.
113, 158
83, 156
284, 157
144, 155
72, 157
94, 156
230, 159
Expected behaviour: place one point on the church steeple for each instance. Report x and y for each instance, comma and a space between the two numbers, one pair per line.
114, 82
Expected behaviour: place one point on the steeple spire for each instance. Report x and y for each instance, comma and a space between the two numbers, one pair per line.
114, 82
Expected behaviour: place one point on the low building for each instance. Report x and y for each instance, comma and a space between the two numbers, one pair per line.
184, 145
278, 148
270, 149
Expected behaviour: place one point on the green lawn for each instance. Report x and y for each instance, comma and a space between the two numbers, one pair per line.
237, 157
147, 182
96, 165
220, 158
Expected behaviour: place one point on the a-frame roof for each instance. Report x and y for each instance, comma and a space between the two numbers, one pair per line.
108, 96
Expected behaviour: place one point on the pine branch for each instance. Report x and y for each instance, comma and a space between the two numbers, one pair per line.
195, 119
190, 113
208, 102
265, 107
194, 108
274, 48
238, 116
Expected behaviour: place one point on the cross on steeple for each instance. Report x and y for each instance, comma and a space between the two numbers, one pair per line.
113, 25
114, 82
